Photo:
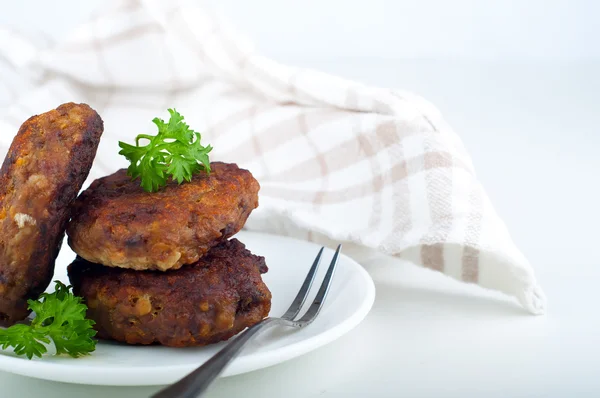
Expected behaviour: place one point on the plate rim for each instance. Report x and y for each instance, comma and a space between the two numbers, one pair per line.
58, 372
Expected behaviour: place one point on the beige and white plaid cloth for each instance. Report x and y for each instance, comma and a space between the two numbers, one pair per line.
335, 158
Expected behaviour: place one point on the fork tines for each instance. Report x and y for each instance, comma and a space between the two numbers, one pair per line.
317, 303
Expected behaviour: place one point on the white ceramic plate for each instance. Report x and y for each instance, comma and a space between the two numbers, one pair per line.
350, 299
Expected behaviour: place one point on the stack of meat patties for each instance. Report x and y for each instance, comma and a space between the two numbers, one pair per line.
160, 267
151, 267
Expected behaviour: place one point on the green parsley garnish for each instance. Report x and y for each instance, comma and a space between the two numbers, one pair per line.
59, 319
175, 151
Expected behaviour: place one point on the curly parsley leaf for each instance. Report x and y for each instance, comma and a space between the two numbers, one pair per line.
25, 340
174, 152
59, 319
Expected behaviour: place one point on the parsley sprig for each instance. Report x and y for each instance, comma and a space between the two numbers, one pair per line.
174, 152
59, 319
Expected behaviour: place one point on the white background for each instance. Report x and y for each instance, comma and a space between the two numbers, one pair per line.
519, 81
496, 29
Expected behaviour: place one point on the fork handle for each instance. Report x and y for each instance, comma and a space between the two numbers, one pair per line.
195, 383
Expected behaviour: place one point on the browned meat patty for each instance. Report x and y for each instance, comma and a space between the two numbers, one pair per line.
116, 223
199, 304
44, 169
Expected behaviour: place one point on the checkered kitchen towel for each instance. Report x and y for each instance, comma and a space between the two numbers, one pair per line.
335, 158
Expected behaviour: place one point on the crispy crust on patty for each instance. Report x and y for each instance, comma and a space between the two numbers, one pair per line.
199, 304
44, 169
116, 223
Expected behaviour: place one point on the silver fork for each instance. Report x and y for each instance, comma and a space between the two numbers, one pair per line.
197, 382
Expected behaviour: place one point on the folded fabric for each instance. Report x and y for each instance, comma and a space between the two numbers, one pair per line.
335, 158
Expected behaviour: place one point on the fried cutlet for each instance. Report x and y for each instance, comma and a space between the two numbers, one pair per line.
198, 304
116, 223
44, 169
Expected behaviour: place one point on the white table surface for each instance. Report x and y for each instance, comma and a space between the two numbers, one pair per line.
531, 128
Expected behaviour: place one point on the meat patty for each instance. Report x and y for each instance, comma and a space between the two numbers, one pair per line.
116, 223
199, 304
45, 167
